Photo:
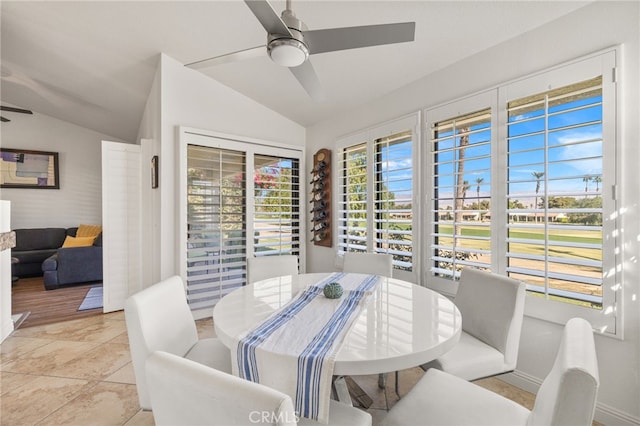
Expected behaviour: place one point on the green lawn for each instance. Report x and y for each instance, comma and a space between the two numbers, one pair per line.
565, 235
556, 236
572, 236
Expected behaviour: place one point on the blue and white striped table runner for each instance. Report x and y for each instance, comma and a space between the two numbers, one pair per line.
304, 336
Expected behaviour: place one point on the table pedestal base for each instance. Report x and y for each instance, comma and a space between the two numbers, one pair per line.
382, 381
346, 390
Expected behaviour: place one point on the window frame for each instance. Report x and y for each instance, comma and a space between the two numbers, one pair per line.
352, 144
461, 107
369, 137
609, 320
455, 151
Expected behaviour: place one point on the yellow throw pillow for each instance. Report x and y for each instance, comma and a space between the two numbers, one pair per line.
88, 230
78, 241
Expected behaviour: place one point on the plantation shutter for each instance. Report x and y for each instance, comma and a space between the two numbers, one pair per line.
393, 206
276, 217
216, 224
461, 193
555, 164
352, 212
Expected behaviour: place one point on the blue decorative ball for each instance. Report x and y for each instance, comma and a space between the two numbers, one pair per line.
332, 291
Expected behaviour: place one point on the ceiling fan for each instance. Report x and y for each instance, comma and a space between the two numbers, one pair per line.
290, 43
12, 109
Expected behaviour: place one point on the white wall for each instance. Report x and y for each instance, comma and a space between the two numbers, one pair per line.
592, 28
188, 98
6, 322
79, 199
149, 135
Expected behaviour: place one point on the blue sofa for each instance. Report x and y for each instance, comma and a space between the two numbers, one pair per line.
40, 252
33, 246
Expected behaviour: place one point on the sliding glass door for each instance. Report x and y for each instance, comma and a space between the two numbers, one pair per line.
240, 200
216, 223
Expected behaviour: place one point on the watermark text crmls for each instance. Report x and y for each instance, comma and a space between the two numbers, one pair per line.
270, 417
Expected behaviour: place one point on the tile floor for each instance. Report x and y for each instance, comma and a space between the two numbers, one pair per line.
79, 373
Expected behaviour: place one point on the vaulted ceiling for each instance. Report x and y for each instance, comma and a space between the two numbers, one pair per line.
92, 63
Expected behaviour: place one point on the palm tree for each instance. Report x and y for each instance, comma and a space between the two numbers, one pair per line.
478, 182
597, 180
586, 180
465, 188
460, 182
538, 176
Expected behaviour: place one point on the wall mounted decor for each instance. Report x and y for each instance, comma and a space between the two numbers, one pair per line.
321, 234
21, 168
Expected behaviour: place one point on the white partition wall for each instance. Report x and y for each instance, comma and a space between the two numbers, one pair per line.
6, 321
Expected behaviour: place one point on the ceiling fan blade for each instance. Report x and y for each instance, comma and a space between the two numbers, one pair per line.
12, 109
268, 17
4, 120
240, 55
307, 77
332, 39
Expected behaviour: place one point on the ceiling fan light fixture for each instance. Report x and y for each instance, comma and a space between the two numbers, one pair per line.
288, 52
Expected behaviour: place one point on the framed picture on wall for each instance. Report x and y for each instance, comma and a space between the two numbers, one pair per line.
20, 168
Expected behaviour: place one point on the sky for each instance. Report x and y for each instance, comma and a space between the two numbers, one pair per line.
574, 150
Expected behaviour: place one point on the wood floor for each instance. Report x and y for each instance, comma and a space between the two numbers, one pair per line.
48, 306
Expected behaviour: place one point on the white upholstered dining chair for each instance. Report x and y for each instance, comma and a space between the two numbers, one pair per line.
567, 395
185, 393
263, 267
158, 319
368, 263
492, 308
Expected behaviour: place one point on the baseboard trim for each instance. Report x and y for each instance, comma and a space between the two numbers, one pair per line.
18, 319
522, 380
608, 415
605, 414
6, 328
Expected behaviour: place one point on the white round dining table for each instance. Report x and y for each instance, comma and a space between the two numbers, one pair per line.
403, 325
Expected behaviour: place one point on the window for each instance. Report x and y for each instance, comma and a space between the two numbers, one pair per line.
554, 188
353, 225
522, 181
393, 205
376, 206
276, 217
461, 193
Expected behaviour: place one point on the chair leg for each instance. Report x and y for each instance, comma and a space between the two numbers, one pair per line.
382, 380
357, 393
341, 390
347, 390
397, 381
